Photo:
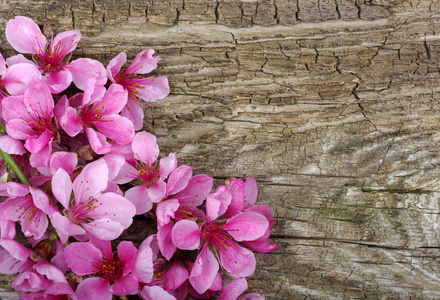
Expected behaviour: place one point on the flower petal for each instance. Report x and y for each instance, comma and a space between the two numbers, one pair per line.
143, 63
246, 226
234, 289
204, 270
186, 235
94, 288
179, 179
83, 68
115, 65
24, 35
145, 147
82, 258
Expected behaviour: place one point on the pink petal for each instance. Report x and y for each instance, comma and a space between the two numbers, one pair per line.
127, 253
7, 229
238, 261
145, 147
83, 68
204, 270
62, 187
261, 244
18, 59
114, 99
15, 249
175, 276
117, 128
67, 117
98, 141
42, 157
246, 226
94, 90
65, 42
64, 160
138, 195
87, 184
236, 187
13, 189
156, 88
82, 258
143, 266
65, 227
24, 35
234, 289
167, 165
38, 100
134, 112
166, 245
50, 271
186, 235
250, 191
116, 208
2, 65
60, 289
11, 146
179, 179
41, 200
126, 174
196, 191
36, 144
58, 82
30, 282
217, 203
165, 210
127, 285
17, 129
114, 163
13, 108
155, 293
115, 65
19, 77
94, 288
143, 63
8, 264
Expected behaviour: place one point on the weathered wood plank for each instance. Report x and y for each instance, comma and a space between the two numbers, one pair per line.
332, 105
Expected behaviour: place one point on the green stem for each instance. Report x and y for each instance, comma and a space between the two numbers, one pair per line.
14, 167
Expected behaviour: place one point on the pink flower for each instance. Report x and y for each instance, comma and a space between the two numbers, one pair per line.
17, 78
149, 171
147, 89
181, 206
98, 115
52, 58
115, 273
92, 210
29, 118
217, 240
26, 205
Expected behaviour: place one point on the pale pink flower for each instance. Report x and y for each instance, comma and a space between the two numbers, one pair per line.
235, 289
147, 89
52, 58
92, 210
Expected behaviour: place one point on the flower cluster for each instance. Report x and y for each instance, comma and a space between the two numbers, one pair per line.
77, 169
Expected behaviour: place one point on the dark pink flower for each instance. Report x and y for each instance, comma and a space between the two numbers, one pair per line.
97, 114
150, 172
147, 89
217, 239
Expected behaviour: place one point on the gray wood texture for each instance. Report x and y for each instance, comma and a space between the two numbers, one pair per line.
332, 105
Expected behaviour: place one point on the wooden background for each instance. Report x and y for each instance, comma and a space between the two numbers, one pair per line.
332, 105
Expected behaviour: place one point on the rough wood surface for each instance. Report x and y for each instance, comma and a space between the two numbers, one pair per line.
332, 105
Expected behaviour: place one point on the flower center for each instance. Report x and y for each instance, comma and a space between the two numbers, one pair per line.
109, 269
